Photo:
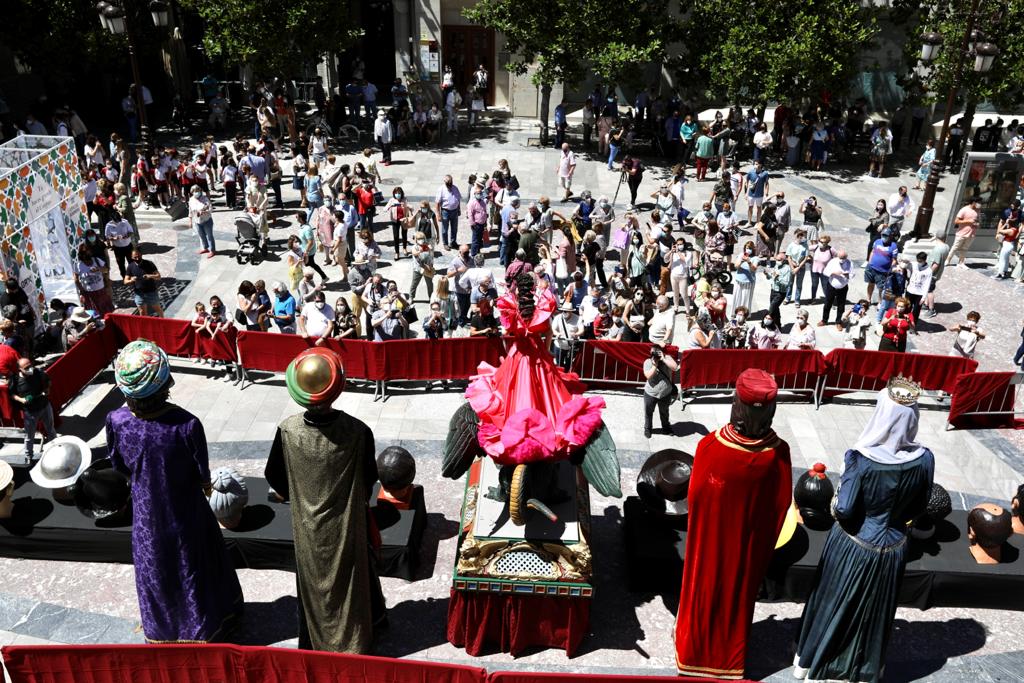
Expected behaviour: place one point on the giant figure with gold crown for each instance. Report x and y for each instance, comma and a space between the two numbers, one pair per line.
322, 461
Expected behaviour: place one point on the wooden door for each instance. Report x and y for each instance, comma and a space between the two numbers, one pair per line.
464, 48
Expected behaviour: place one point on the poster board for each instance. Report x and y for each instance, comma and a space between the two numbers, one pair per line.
994, 178
42, 216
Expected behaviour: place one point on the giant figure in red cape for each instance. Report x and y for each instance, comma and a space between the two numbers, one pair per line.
739, 492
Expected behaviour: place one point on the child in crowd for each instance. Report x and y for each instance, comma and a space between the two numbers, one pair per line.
442, 295
857, 322
229, 177
967, 335
201, 323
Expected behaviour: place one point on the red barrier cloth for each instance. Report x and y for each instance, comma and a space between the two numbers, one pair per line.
175, 337
222, 663
983, 392
858, 370
427, 359
513, 623
625, 361
220, 347
793, 369
273, 352
7, 412
73, 371
269, 352
529, 677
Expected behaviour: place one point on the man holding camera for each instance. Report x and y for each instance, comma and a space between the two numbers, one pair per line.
388, 323
659, 389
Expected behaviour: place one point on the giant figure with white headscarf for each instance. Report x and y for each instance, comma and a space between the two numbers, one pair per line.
187, 587
885, 484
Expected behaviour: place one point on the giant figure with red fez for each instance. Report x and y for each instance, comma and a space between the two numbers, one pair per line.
322, 461
740, 490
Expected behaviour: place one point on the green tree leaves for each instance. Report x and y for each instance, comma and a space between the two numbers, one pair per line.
757, 51
274, 36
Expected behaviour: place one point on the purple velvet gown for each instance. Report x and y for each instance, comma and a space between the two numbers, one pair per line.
187, 586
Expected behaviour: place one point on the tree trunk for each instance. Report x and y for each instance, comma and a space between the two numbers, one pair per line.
545, 104
970, 106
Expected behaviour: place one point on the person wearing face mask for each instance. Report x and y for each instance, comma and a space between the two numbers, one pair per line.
91, 280
30, 388
801, 336
679, 263
798, 255
317, 320
283, 311
399, 214
703, 334
897, 324
884, 254
901, 207
476, 210
448, 202
636, 260
766, 335
637, 312
737, 330
837, 272
700, 226
666, 202
781, 276
745, 279
601, 218
716, 303
728, 222
876, 224
821, 254
811, 211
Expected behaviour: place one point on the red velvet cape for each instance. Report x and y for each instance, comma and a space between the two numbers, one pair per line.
738, 498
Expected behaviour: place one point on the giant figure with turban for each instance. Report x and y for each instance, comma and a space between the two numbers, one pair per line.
187, 586
322, 461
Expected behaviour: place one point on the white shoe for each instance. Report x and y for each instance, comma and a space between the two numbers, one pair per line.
799, 672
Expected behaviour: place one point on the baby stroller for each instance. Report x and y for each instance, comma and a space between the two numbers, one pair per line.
247, 235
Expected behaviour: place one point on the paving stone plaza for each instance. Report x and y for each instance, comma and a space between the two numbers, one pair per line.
630, 632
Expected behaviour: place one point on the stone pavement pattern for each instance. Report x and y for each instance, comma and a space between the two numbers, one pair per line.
630, 633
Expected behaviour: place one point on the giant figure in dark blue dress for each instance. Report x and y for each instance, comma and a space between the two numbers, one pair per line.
885, 484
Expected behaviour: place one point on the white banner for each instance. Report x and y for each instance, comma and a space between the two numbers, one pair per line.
53, 255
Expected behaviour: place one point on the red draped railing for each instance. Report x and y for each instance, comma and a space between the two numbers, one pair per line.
531, 677
70, 373
432, 359
602, 362
272, 352
857, 370
175, 337
794, 370
984, 400
225, 663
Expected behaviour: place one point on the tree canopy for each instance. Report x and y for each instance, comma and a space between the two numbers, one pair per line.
566, 39
1003, 85
762, 51
270, 35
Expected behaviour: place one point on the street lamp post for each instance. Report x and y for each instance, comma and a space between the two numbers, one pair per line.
119, 22
974, 45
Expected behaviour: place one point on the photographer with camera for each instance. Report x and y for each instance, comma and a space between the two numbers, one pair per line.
781, 277
434, 324
659, 390
897, 323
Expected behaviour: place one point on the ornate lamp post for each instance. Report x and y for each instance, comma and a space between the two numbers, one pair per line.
114, 18
974, 44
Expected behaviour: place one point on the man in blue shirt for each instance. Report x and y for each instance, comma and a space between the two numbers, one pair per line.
449, 203
757, 187
351, 220
257, 163
284, 309
883, 254
561, 124
504, 253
